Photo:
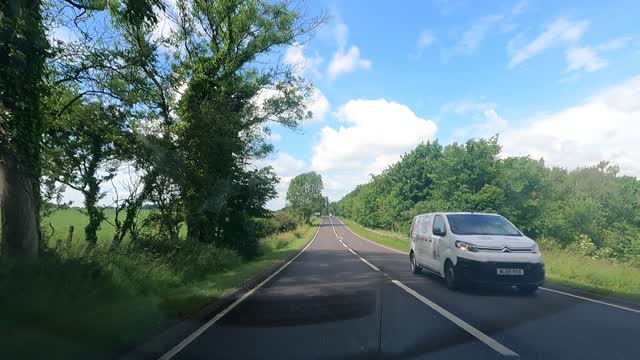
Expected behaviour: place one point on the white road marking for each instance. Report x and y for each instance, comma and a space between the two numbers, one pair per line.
176, 349
503, 350
368, 263
334, 228
461, 323
592, 300
373, 242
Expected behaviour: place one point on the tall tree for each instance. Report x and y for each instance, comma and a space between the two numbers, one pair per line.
305, 194
233, 90
23, 50
84, 149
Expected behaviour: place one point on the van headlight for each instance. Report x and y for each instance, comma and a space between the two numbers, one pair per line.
535, 249
466, 246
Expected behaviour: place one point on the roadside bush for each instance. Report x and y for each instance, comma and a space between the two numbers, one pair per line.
284, 221
583, 245
281, 244
197, 260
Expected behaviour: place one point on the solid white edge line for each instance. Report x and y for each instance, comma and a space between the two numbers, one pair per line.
461, 323
373, 242
592, 300
176, 349
368, 263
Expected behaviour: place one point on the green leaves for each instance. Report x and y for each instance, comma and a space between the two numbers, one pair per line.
305, 194
591, 203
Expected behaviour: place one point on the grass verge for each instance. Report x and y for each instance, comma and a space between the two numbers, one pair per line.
562, 267
593, 275
386, 240
96, 307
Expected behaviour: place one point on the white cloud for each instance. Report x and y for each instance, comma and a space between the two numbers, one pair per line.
318, 104
346, 62
340, 32
584, 58
487, 121
492, 123
465, 106
373, 134
425, 39
286, 167
560, 31
614, 44
274, 137
62, 34
587, 58
604, 127
294, 56
519, 7
472, 38
166, 24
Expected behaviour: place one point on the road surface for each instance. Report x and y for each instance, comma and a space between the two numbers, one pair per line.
347, 298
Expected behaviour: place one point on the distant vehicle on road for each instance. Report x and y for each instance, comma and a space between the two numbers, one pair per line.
477, 248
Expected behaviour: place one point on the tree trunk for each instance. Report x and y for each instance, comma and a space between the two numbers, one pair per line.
193, 230
95, 215
20, 233
70, 236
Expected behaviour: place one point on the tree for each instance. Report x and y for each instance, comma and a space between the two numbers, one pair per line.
305, 194
85, 147
23, 50
230, 96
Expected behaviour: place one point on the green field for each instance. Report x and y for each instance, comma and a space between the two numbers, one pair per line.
55, 226
562, 267
100, 304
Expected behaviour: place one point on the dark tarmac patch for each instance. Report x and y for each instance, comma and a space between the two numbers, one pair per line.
296, 310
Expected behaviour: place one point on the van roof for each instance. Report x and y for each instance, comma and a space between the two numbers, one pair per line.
457, 213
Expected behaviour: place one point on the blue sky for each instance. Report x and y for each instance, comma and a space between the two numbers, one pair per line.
556, 79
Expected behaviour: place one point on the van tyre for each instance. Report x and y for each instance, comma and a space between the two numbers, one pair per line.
450, 276
528, 289
415, 268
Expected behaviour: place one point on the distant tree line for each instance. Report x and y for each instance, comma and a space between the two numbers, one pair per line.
593, 209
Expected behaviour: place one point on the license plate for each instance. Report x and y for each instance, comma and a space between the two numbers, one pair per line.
510, 271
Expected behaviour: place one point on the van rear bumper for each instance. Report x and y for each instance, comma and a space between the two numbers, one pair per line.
481, 272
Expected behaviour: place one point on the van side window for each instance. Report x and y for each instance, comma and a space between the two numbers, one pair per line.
438, 225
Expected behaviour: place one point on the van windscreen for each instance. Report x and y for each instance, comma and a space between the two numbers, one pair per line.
480, 224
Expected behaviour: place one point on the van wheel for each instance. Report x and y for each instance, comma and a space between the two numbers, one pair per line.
528, 289
414, 265
450, 278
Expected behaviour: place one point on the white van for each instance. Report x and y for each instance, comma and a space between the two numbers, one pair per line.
475, 248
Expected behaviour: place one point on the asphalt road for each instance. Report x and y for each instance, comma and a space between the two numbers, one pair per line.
347, 298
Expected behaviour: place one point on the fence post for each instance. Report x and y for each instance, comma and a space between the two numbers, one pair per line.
70, 236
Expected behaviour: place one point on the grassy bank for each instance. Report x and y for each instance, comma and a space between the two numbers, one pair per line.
562, 267
593, 275
390, 240
94, 306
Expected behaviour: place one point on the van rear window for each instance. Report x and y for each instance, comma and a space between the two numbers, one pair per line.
480, 224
